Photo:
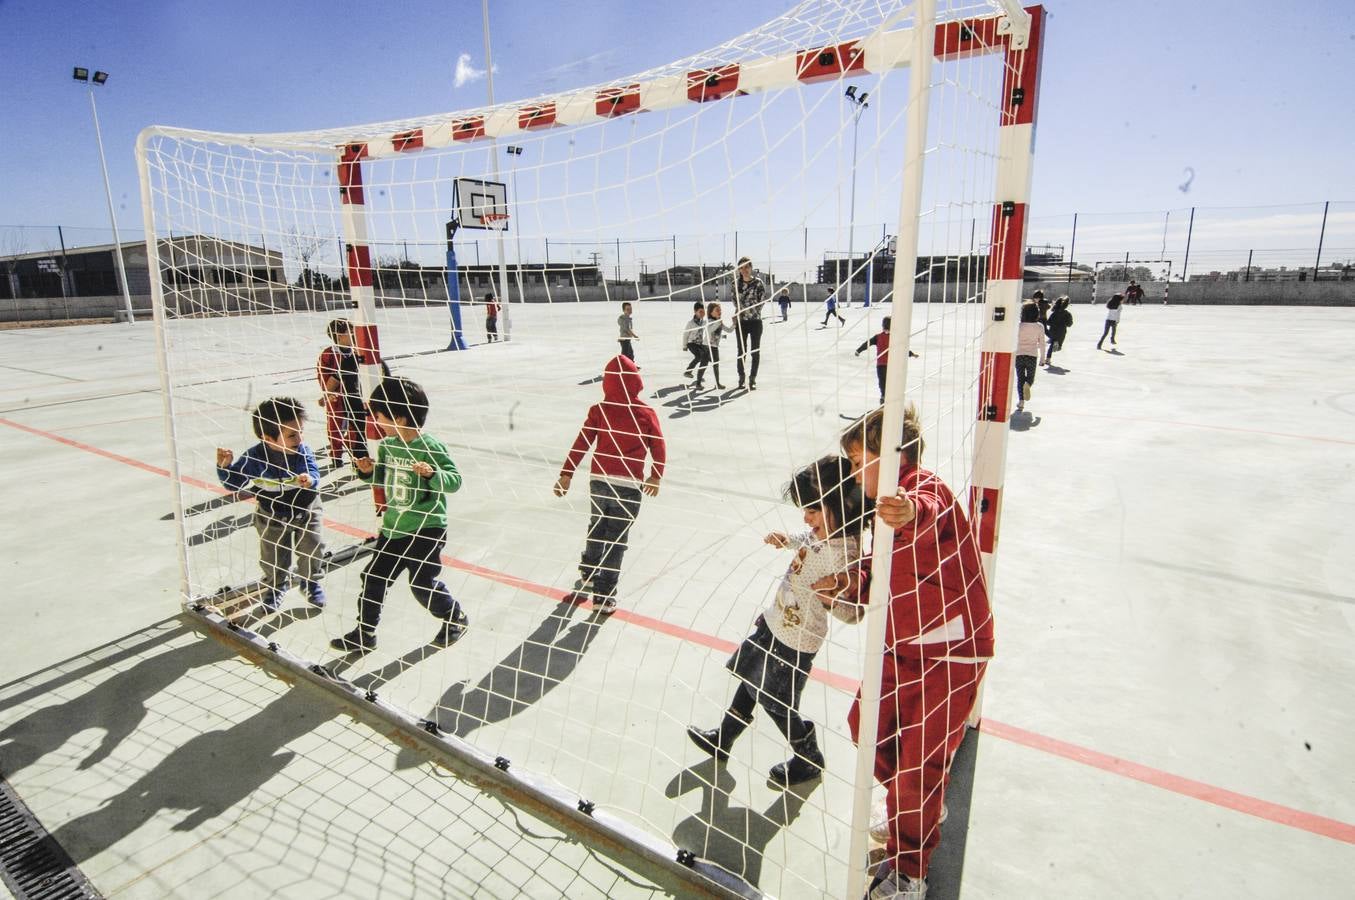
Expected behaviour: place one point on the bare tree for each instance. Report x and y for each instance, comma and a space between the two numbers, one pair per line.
13, 243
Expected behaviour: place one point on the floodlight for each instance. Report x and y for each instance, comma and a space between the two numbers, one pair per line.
81, 74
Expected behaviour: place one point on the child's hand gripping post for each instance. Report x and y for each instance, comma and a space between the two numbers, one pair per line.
224, 458
422, 469
896, 511
364, 464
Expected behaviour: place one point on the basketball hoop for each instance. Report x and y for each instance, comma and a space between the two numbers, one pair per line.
490, 218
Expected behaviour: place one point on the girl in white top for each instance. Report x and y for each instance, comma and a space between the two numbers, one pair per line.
1113, 306
1029, 351
773, 663
715, 330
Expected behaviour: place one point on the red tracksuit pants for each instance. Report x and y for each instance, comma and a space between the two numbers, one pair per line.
924, 706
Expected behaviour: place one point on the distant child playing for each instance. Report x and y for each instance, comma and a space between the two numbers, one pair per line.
1029, 351
1060, 320
783, 301
623, 431
491, 317
831, 305
345, 414
626, 326
1113, 306
281, 474
880, 341
417, 474
773, 663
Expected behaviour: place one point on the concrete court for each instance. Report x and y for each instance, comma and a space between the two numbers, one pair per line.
1168, 596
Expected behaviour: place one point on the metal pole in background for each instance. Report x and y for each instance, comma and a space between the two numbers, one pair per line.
857, 106
1320, 237
506, 330
1190, 230
65, 263
112, 217
1071, 250
1247, 277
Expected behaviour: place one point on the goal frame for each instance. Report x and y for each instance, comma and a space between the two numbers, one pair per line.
1016, 33
1126, 262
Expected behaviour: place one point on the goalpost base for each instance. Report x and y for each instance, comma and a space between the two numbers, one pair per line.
672, 868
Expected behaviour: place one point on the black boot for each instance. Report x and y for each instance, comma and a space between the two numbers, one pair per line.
805, 765
717, 741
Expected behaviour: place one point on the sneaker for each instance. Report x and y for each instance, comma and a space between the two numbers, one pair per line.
897, 886
752, 385
315, 595
359, 640
879, 820
1021, 406
271, 600
452, 629
604, 605
1025, 391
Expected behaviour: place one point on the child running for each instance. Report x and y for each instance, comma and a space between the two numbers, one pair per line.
417, 474
694, 340
1029, 351
831, 305
623, 431
716, 329
1060, 320
280, 472
880, 341
938, 640
345, 415
1112, 319
773, 663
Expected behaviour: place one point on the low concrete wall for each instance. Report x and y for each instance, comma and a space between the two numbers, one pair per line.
1213, 293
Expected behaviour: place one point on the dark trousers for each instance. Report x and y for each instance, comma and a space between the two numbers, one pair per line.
1025, 373
492, 327
700, 359
1111, 325
880, 376
627, 350
785, 311
715, 362
748, 334
787, 719
416, 554
832, 311
1055, 343
612, 511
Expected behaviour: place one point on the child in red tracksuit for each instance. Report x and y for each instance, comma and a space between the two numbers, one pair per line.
341, 393
938, 639
623, 431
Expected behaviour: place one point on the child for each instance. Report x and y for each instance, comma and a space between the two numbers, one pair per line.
1112, 319
938, 639
880, 342
622, 430
345, 415
626, 325
694, 340
1060, 320
1029, 351
773, 663
491, 317
417, 474
783, 301
832, 311
280, 472
715, 331
1134, 293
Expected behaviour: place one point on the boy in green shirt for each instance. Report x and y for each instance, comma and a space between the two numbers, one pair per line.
417, 475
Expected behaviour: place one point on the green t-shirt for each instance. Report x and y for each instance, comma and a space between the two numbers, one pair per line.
414, 503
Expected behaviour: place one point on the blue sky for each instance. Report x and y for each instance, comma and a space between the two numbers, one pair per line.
1246, 95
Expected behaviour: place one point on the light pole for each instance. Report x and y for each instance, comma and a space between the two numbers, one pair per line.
859, 104
82, 75
514, 152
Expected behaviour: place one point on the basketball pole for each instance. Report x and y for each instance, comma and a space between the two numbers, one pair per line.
506, 326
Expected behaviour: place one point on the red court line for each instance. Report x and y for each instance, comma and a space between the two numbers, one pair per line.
1187, 787
1279, 434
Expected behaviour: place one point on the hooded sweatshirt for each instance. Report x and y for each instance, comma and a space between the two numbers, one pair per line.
622, 430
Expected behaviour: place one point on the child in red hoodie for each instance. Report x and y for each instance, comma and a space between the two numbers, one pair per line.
623, 431
938, 640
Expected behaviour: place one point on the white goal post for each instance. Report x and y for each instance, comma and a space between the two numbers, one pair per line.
357, 250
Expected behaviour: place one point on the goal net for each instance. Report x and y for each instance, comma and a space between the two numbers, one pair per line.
485, 256
1137, 279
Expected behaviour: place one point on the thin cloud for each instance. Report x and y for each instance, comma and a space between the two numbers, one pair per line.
466, 72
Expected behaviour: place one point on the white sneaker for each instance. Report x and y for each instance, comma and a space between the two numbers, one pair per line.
897, 886
879, 820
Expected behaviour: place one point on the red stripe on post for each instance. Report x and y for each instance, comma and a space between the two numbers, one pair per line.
983, 515
468, 129
542, 116
995, 386
967, 37
618, 101
1005, 258
408, 140
829, 62
367, 344
359, 265
704, 85
1021, 81
350, 174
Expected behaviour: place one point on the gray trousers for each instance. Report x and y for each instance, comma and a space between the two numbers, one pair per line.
279, 538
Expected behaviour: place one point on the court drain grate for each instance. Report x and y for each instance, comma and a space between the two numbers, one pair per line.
32, 865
